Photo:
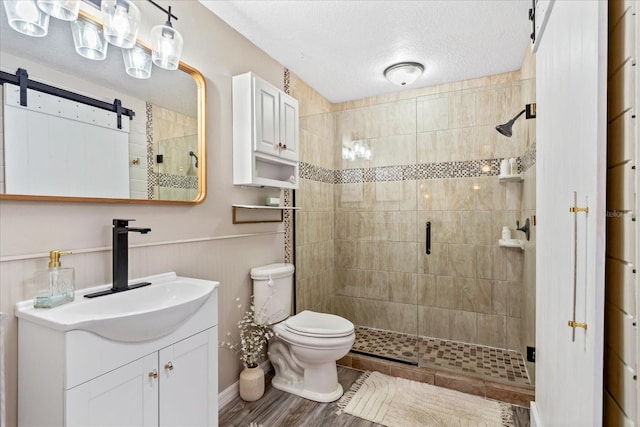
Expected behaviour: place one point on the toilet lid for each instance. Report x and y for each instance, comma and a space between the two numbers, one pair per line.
314, 324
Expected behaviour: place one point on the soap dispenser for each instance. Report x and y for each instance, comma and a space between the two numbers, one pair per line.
54, 286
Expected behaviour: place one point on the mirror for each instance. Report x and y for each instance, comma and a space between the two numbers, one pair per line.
164, 150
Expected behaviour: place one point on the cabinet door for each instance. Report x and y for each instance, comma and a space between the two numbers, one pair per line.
127, 396
188, 381
267, 120
289, 127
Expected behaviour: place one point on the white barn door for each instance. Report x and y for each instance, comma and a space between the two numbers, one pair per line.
571, 122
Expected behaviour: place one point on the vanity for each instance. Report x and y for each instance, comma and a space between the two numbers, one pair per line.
146, 357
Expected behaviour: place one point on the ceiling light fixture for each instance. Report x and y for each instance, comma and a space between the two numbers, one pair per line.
404, 73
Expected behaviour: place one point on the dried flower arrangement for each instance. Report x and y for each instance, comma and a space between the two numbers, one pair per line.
253, 338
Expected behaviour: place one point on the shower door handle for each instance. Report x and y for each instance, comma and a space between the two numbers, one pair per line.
427, 237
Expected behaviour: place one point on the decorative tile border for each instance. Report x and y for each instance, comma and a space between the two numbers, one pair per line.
421, 171
529, 157
287, 214
152, 177
177, 181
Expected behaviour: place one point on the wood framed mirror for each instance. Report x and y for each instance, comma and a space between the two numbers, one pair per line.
162, 158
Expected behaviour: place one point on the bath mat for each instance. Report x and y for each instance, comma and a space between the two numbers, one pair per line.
393, 401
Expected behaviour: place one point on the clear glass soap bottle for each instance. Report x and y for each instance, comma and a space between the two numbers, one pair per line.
56, 285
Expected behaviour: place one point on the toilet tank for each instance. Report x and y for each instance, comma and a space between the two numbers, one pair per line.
272, 292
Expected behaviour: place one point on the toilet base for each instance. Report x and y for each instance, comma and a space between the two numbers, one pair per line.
298, 389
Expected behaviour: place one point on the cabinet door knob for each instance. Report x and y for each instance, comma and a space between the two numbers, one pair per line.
168, 366
284, 146
153, 374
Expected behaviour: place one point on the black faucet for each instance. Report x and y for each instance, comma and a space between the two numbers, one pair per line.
120, 264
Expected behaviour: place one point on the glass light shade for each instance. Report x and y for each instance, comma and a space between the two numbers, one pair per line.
167, 47
137, 62
67, 10
404, 73
25, 17
89, 40
121, 20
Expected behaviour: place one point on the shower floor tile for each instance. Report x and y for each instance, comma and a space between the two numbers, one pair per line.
506, 365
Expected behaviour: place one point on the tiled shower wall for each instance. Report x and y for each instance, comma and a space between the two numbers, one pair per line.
360, 234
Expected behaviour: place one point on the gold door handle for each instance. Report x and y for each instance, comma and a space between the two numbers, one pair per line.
573, 324
168, 366
153, 374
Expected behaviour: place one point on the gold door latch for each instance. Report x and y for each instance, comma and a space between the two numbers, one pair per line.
574, 324
576, 209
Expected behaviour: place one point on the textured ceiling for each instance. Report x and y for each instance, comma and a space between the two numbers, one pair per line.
342, 47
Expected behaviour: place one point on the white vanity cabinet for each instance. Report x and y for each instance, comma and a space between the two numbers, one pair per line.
79, 378
166, 388
265, 134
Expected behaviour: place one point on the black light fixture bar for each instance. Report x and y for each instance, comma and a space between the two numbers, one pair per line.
21, 78
167, 12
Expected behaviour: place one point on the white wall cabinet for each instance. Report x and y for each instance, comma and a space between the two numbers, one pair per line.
265, 134
78, 378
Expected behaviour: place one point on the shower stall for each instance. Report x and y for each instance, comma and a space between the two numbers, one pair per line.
401, 212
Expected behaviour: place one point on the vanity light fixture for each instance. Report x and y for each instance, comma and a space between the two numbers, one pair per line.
66, 10
89, 39
137, 62
404, 73
121, 20
358, 149
26, 17
167, 44
119, 27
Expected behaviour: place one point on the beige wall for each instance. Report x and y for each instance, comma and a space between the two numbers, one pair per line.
376, 273
193, 240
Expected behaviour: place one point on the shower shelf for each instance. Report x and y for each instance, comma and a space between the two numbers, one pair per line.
281, 209
511, 243
510, 178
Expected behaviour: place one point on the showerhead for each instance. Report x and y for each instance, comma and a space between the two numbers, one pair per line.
506, 129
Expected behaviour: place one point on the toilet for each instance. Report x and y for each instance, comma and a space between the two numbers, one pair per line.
306, 346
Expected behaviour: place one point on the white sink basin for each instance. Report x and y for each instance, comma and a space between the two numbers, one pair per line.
137, 315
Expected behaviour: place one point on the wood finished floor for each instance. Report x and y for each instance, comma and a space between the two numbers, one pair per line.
279, 409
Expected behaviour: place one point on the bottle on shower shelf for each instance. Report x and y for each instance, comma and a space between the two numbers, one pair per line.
513, 166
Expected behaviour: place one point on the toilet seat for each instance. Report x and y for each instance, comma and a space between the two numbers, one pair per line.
320, 325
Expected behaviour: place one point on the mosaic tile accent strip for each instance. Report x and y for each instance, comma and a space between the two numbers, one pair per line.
317, 173
529, 157
497, 363
177, 181
287, 215
152, 178
287, 81
421, 171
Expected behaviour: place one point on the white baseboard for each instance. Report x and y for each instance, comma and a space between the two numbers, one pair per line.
534, 416
228, 394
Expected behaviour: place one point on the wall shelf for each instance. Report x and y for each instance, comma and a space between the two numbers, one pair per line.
511, 178
511, 243
258, 208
